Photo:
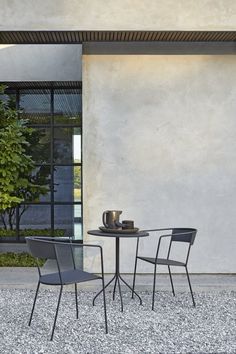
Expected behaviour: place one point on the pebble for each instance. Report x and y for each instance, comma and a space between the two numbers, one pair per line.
174, 327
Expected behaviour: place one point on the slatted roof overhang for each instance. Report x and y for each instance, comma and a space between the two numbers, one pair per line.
77, 37
41, 85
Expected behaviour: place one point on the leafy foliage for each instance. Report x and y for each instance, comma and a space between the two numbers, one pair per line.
23, 259
18, 183
32, 232
77, 177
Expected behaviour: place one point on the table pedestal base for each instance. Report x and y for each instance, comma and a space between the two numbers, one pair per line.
118, 279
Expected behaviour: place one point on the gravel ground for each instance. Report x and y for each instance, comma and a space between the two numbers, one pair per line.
174, 327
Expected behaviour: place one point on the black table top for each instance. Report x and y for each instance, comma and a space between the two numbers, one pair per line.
121, 235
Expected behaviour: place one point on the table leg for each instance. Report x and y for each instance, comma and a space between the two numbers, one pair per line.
114, 290
118, 279
131, 289
121, 300
102, 289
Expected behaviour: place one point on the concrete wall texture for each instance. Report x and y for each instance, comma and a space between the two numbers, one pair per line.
40, 62
158, 130
159, 143
118, 15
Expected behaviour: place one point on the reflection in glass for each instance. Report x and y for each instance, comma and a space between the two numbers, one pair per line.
68, 219
64, 145
77, 183
77, 147
36, 217
41, 176
64, 219
35, 106
67, 106
40, 145
77, 222
52, 108
64, 184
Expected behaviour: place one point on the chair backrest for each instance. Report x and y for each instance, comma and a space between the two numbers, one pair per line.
184, 235
41, 248
67, 255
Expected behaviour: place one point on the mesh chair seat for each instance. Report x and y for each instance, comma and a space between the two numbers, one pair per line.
67, 277
162, 261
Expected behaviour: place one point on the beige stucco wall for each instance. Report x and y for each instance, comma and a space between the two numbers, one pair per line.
118, 15
159, 143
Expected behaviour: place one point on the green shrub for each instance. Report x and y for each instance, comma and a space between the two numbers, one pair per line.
11, 259
31, 232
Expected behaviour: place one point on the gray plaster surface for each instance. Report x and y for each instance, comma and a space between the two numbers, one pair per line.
40, 62
174, 327
164, 127
118, 15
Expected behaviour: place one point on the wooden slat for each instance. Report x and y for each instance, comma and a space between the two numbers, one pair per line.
43, 85
7, 39
57, 37
175, 36
153, 36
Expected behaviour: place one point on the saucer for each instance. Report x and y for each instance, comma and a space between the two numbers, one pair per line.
119, 231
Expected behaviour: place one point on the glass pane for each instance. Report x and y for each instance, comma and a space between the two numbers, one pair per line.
67, 145
77, 147
78, 231
36, 106
64, 219
63, 184
67, 106
42, 177
40, 145
78, 222
35, 220
68, 219
77, 183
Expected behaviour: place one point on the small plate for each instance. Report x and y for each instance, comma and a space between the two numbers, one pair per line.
119, 231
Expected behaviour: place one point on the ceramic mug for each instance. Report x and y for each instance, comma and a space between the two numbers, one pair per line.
127, 224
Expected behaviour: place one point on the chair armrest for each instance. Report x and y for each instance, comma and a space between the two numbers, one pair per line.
166, 229
84, 245
159, 243
152, 230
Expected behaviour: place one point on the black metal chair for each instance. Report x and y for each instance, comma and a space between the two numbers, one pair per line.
176, 235
67, 272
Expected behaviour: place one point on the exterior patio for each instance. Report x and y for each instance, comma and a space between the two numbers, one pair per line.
133, 109
174, 327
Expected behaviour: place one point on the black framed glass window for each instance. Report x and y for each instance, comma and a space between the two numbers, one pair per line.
55, 146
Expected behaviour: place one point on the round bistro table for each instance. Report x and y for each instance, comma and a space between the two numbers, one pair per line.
117, 276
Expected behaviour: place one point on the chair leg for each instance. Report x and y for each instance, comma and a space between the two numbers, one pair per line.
171, 281
190, 287
104, 304
35, 297
114, 290
55, 319
134, 278
154, 286
76, 301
